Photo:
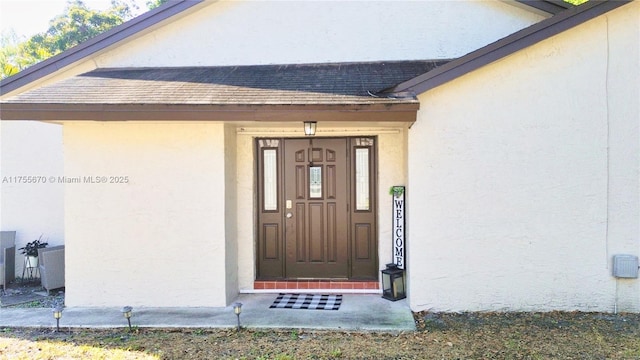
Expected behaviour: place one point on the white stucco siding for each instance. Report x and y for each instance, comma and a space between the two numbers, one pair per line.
510, 178
392, 171
245, 175
158, 240
285, 32
623, 88
31, 152
230, 213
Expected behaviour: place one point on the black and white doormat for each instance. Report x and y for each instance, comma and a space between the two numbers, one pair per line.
307, 301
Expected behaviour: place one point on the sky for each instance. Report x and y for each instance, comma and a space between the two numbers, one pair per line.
30, 17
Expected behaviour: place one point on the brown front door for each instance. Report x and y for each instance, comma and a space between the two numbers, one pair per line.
316, 223
317, 210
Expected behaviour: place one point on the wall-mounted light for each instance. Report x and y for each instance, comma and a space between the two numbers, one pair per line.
237, 309
127, 313
310, 128
57, 314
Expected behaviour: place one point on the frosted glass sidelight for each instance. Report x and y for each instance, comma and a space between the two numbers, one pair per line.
270, 177
362, 179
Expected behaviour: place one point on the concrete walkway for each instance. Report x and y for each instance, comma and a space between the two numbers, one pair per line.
357, 312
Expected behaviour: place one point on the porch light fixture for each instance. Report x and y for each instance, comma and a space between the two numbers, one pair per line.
393, 285
310, 128
126, 312
237, 309
57, 314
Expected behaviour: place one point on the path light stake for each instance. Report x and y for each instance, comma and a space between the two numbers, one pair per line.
126, 311
237, 309
57, 314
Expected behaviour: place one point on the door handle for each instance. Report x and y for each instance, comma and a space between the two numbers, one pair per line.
289, 215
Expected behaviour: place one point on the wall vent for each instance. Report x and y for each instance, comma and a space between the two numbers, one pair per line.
625, 266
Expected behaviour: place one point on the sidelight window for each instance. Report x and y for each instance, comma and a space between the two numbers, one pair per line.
362, 179
270, 176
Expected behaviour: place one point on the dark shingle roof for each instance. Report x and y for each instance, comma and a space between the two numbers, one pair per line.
345, 83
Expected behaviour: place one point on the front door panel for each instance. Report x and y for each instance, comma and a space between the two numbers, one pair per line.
316, 224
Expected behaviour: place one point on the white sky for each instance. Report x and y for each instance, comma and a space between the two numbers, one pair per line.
29, 17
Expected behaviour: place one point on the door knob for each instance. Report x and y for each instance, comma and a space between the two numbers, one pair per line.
289, 215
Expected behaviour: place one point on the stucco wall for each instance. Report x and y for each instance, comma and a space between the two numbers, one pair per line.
523, 177
230, 213
29, 149
158, 240
623, 103
285, 32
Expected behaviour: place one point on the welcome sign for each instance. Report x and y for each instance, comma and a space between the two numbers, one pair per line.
398, 226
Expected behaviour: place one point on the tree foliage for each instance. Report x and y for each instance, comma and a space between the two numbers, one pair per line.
75, 25
576, 2
152, 4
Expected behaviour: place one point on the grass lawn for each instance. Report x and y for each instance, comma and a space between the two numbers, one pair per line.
440, 336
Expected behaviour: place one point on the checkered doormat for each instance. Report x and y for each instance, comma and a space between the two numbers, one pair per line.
307, 301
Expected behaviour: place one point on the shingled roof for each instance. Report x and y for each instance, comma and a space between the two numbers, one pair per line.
351, 83
386, 90
342, 86
147, 21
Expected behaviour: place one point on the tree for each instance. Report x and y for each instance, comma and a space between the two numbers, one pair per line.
77, 24
152, 4
576, 2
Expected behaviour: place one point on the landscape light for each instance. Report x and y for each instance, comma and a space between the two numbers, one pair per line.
237, 309
126, 311
57, 314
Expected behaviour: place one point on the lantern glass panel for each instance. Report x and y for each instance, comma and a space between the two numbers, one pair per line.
398, 286
386, 285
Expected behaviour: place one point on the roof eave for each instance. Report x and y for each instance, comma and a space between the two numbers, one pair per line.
507, 46
404, 111
96, 44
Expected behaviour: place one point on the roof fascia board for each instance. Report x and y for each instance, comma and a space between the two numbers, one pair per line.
405, 111
507, 46
96, 44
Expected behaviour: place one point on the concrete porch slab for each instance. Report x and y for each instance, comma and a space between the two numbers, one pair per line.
357, 312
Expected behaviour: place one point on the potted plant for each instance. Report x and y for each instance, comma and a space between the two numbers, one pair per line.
30, 250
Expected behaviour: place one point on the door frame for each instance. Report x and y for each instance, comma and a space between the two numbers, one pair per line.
270, 260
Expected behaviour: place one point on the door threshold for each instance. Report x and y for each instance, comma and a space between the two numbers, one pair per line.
312, 291
323, 285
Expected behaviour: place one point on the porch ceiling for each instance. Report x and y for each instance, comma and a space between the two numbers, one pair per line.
226, 93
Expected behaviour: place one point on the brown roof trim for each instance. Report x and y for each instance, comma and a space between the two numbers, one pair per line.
95, 44
402, 112
507, 46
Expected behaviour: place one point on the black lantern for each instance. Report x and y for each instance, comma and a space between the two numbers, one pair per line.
393, 287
